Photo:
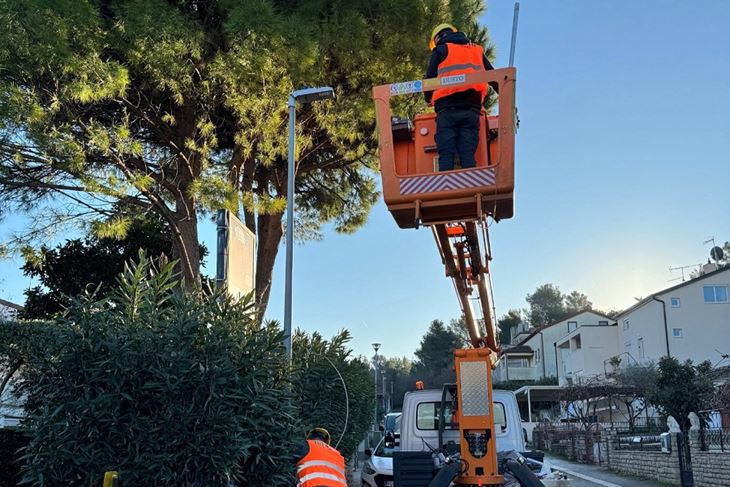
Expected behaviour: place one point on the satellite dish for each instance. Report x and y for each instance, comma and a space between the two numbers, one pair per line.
717, 254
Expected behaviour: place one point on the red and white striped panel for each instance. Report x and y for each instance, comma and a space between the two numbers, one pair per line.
464, 179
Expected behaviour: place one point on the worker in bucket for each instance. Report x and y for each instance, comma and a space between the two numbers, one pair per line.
458, 109
321, 465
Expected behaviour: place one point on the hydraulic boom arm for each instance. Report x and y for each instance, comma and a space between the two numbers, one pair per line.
462, 256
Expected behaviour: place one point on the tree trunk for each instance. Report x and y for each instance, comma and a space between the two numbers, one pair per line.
270, 232
185, 244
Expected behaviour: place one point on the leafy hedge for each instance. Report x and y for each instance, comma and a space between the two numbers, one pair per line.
320, 396
175, 389
11, 441
168, 388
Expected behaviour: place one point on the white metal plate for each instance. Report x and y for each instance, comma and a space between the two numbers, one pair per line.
473, 389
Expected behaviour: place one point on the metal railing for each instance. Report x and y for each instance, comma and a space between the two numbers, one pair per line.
638, 442
715, 439
639, 426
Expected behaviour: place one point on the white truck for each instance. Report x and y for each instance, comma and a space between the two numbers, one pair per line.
429, 440
420, 422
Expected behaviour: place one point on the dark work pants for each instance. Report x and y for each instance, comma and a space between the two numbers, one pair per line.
457, 132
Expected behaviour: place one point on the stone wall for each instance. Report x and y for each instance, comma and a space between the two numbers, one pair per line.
656, 465
710, 468
573, 443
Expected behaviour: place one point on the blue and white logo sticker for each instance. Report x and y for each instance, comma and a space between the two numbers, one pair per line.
452, 80
406, 87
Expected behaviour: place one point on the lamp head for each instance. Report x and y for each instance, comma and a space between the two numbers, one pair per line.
308, 95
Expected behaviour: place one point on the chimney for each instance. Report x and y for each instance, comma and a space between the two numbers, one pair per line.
709, 267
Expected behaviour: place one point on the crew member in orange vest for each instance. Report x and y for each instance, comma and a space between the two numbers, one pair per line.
458, 109
321, 465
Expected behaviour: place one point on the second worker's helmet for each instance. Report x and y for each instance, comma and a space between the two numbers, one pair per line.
319, 434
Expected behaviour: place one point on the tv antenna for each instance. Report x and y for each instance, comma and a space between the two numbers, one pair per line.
682, 268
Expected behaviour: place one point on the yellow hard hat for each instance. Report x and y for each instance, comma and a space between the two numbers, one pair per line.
436, 30
321, 432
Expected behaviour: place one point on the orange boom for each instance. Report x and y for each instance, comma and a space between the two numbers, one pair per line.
456, 205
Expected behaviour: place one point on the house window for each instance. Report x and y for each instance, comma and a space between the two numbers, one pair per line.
675, 302
572, 325
603, 323
518, 363
715, 294
640, 346
626, 324
677, 332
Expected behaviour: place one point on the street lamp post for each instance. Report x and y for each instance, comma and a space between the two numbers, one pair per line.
306, 95
376, 346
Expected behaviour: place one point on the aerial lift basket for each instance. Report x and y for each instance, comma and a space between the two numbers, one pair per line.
414, 190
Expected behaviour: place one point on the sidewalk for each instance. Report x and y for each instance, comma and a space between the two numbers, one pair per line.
586, 475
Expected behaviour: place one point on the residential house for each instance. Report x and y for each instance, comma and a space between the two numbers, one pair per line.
533, 354
9, 410
8, 310
688, 321
586, 351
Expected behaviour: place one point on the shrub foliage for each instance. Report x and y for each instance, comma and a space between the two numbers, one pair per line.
320, 396
175, 388
169, 388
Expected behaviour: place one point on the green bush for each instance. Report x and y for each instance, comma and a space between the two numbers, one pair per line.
320, 396
168, 388
11, 441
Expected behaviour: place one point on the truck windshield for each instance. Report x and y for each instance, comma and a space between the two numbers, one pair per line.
427, 416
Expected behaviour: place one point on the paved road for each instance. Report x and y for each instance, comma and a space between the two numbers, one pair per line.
584, 475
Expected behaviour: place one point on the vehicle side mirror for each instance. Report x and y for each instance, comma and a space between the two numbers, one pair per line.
368, 452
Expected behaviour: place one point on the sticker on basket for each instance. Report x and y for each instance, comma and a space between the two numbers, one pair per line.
463, 179
406, 87
452, 80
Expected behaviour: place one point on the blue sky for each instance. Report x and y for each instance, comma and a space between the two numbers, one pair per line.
622, 170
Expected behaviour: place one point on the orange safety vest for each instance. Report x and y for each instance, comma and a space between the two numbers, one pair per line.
461, 59
323, 466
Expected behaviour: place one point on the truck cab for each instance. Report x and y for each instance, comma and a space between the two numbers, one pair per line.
420, 422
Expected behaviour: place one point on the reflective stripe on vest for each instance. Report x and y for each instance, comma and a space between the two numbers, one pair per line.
461, 59
320, 463
317, 479
322, 466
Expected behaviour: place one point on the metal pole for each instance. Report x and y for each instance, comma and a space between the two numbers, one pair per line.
289, 228
222, 257
375, 411
515, 18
